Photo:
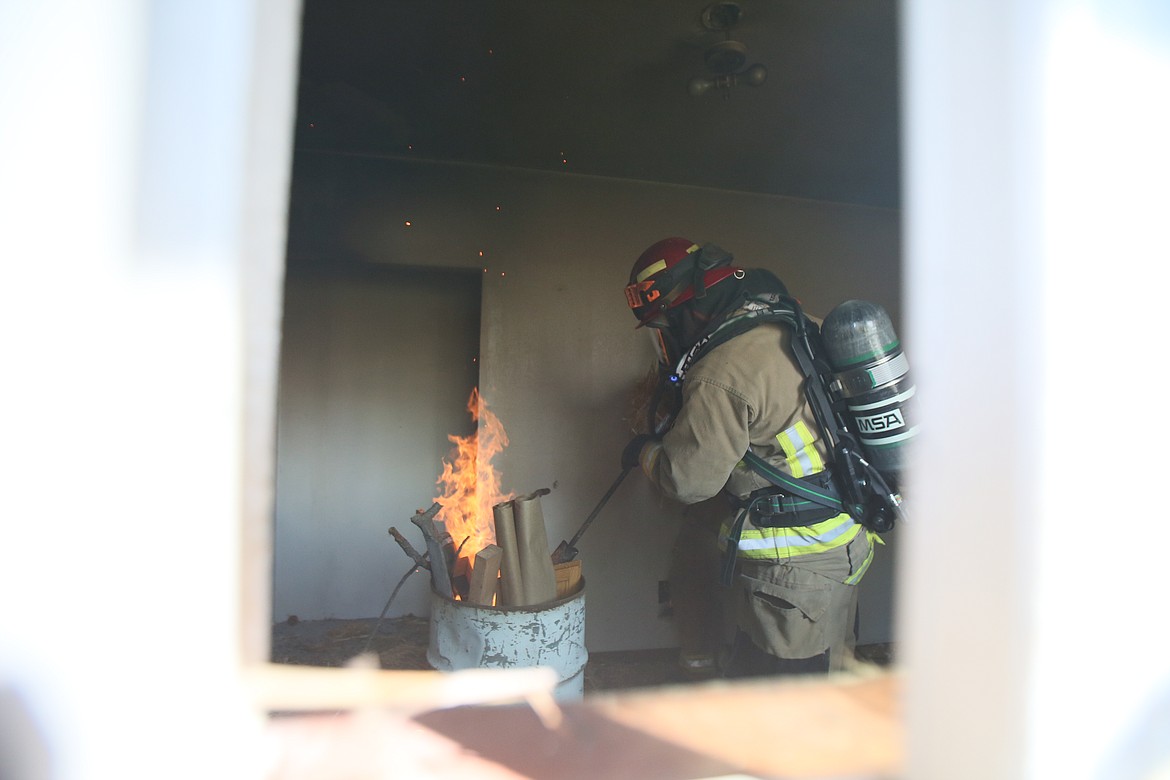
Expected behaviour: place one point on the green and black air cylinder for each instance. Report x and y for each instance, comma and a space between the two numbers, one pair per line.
872, 376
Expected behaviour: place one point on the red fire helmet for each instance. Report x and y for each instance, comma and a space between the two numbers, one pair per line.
672, 272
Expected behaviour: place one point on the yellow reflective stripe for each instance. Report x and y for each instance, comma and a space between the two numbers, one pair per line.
660, 265
856, 576
776, 543
650, 270
798, 445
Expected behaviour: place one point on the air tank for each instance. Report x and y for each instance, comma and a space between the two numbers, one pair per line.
872, 375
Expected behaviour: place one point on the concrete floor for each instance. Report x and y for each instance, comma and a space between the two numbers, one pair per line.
401, 643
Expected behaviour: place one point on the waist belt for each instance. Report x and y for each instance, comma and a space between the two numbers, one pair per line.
817, 489
775, 507
794, 501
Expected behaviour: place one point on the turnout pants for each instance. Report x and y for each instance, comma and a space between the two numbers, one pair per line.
800, 610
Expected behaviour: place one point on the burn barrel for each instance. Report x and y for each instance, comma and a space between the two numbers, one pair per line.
552, 634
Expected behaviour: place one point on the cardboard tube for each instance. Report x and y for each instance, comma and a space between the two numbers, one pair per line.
511, 583
539, 578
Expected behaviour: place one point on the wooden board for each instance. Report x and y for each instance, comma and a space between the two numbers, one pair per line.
568, 578
485, 575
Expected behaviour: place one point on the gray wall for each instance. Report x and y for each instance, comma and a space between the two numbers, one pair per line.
350, 463
559, 354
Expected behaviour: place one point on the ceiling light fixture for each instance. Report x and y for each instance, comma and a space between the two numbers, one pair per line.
726, 58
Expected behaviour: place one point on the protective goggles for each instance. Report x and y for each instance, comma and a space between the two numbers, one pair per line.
647, 299
641, 294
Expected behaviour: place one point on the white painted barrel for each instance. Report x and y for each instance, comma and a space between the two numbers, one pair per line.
469, 636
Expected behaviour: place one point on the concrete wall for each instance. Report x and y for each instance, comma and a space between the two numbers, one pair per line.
559, 355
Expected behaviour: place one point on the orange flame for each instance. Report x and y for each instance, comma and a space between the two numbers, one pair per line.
469, 486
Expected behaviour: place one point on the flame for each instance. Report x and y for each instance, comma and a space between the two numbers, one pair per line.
469, 486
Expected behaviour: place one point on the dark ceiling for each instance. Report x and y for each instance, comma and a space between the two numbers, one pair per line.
600, 87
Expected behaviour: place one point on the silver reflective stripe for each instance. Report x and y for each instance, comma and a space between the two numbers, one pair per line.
890, 370
806, 464
860, 380
791, 539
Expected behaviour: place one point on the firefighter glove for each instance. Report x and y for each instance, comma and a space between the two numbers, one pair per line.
632, 454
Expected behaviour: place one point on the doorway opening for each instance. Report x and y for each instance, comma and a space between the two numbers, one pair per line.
377, 363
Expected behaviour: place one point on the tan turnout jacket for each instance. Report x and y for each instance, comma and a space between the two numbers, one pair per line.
795, 589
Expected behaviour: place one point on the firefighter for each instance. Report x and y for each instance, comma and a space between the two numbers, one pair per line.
794, 566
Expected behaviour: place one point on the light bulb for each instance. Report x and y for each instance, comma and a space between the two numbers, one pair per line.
699, 86
754, 76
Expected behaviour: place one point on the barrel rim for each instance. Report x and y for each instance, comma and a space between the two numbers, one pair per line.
527, 608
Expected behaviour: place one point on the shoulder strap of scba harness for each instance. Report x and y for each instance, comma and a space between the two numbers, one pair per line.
848, 484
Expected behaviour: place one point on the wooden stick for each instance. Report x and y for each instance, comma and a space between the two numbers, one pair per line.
448, 544
485, 575
440, 574
408, 548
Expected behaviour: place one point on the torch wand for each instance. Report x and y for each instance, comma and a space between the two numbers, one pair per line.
567, 551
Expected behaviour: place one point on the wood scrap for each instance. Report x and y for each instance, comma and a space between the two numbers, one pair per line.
568, 578
419, 559
485, 575
461, 577
440, 574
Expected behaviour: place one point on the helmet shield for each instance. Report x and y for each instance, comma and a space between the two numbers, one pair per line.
666, 345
